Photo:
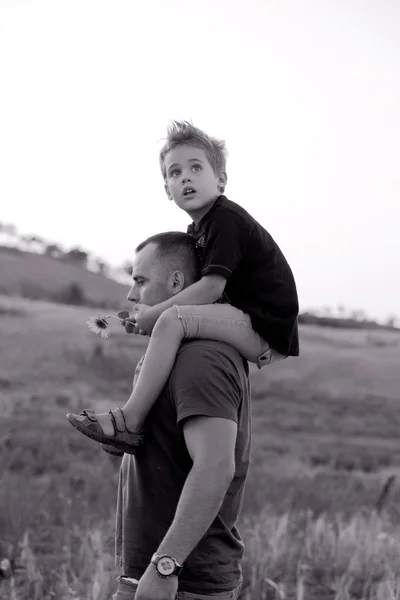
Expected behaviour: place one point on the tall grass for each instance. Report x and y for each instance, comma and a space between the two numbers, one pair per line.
291, 556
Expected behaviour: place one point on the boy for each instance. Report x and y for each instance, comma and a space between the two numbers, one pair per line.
246, 297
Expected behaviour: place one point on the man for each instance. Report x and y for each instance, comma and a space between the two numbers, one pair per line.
180, 497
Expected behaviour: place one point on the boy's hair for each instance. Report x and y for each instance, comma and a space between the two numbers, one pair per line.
177, 251
182, 133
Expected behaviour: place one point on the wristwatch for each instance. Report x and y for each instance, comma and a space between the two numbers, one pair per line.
165, 565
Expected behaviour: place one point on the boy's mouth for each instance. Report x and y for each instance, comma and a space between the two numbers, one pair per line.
188, 191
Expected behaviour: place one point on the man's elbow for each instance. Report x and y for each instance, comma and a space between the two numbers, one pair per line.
221, 472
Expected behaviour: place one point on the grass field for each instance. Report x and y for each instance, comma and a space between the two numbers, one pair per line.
326, 438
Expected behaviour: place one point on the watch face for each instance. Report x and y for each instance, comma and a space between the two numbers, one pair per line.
166, 566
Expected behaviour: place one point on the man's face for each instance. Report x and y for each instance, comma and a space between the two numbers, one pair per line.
150, 280
191, 181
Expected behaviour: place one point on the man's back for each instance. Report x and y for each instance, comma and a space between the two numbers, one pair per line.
209, 379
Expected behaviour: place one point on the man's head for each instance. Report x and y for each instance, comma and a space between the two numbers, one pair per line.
164, 265
192, 160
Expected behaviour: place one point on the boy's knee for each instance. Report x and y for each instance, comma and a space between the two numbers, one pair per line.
168, 319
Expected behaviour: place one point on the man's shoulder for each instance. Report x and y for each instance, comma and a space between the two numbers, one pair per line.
198, 354
207, 348
208, 378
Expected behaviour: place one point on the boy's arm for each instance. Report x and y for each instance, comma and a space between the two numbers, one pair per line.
211, 445
225, 247
205, 291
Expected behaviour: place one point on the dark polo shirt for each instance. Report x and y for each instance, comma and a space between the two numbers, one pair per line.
209, 378
260, 282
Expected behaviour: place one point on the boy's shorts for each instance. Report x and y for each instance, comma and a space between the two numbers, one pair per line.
226, 323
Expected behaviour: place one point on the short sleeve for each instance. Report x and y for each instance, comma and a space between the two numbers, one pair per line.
226, 243
205, 382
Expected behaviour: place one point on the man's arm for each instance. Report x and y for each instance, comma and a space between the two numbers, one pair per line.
211, 445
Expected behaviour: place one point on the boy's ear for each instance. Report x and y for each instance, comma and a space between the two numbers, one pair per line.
222, 181
166, 188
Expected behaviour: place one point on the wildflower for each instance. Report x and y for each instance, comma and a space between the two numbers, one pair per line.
99, 325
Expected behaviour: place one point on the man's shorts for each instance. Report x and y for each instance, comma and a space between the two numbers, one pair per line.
127, 588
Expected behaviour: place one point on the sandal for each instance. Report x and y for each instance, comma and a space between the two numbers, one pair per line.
122, 439
112, 450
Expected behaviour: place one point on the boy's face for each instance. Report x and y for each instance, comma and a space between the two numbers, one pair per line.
191, 181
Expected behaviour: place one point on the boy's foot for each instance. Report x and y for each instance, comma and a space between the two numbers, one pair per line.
105, 422
87, 422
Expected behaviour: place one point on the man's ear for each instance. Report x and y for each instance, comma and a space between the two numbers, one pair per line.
177, 282
222, 181
166, 188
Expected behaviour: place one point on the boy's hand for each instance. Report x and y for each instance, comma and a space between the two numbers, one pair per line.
130, 323
145, 317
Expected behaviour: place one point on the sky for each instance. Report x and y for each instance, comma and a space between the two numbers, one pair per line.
305, 94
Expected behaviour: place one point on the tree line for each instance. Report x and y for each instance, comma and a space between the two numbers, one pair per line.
75, 255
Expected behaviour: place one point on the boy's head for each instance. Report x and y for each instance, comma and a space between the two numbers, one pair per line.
193, 166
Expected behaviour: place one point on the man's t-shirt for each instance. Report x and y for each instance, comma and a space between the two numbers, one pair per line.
209, 378
260, 282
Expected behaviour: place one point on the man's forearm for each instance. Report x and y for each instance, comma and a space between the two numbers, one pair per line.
199, 503
201, 292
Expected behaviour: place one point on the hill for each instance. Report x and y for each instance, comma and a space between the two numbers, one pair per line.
38, 276
325, 438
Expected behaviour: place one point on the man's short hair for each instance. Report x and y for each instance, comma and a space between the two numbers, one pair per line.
178, 251
184, 133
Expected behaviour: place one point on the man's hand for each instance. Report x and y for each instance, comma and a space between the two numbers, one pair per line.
146, 317
153, 587
130, 323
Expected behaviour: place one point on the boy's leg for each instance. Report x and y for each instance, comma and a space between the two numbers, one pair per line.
219, 322
226, 323
157, 365
159, 359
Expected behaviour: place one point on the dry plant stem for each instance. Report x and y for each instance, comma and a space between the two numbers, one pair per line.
113, 317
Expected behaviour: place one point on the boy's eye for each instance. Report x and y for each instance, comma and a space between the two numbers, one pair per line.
174, 172
196, 167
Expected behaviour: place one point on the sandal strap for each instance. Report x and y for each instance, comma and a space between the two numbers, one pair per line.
90, 414
118, 419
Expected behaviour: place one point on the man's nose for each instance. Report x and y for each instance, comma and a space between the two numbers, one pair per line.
133, 295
